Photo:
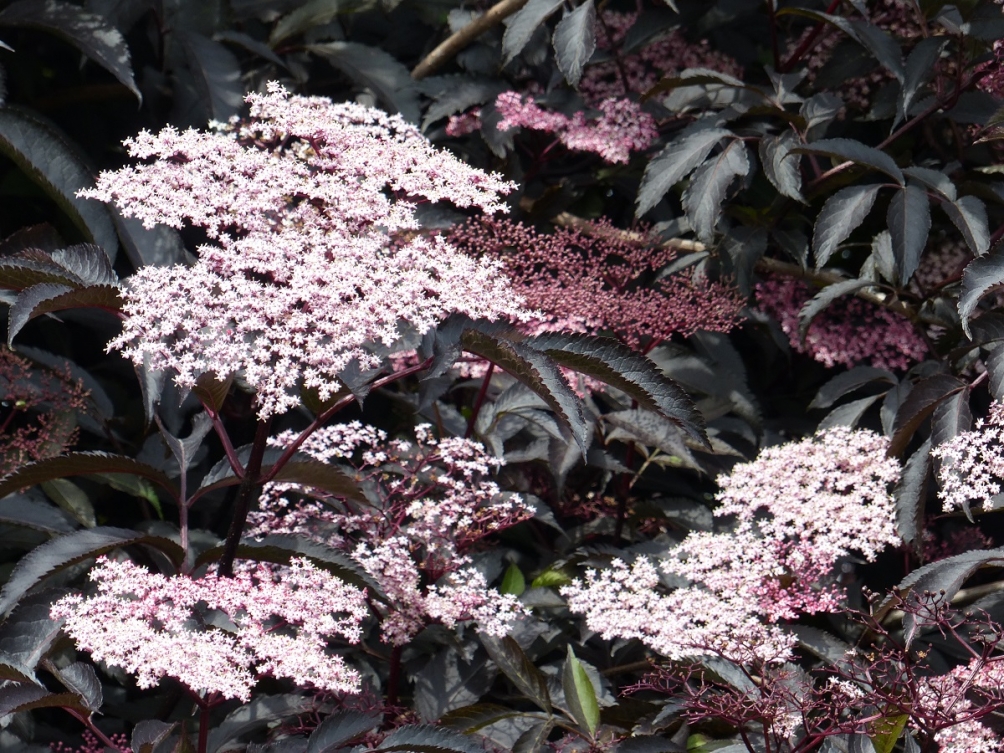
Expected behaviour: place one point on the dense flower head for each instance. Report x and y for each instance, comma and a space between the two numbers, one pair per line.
37, 411
798, 508
305, 205
972, 464
849, 332
639, 71
431, 501
602, 281
154, 626
622, 126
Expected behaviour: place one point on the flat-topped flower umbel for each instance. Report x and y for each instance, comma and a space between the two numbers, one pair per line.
307, 206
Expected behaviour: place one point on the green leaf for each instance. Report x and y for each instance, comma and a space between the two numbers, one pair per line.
614, 363
580, 694
674, 163
375, 69
919, 404
516, 665
551, 579
522, 24
341, 728
46, 159
824, 298
71, 498
842, 213
513, 581
702, 199
47, 297
910, 494
855, 151
575, 41
262, 712
90, 33
979, 276
137, 486
909, 219
782, 172
69, 549
280, 548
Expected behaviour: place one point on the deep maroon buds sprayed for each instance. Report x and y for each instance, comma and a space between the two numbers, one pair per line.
301, 204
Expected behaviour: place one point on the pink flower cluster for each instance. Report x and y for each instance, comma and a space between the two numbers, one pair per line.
849, 332
601, 282
303, 204
972, 464
797, 508
433, 500
956, 694
154, 626
621, 128
668, 55
37, 412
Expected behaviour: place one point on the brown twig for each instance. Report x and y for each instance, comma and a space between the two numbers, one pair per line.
457, 41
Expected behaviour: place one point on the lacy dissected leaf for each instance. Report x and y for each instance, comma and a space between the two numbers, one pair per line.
702, 200
979, 276
516, 665
69, 549
428, 740
969, 215
909, 219
840, 216
847, 382
90, 33
613, 363
77, 464
818, 303
855, 151
782, 172
216, 73
674, 163
48, 297
80, 679
280, 548
538, 372
522, 24
340, 728
45, 158
21, 510
919, 404
580, 695
575, 41
377, 70
260, 713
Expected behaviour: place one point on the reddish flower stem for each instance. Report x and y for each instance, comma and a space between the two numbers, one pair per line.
479, 400
248, 490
